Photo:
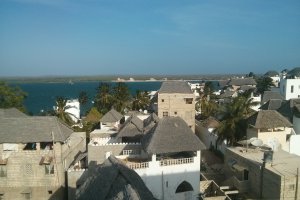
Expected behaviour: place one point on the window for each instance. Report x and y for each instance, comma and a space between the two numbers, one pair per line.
189, 100
26, 196
28, 169
175, 113
246, 174
49, 169
291, 187
3, 172
1, 196
162, 100
50, 192
292, 89
165, 114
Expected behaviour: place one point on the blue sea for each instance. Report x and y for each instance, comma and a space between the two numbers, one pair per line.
42, 96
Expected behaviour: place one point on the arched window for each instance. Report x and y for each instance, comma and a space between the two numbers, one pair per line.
184, 187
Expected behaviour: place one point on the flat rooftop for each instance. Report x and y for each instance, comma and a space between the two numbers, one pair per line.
284, 163
102, 133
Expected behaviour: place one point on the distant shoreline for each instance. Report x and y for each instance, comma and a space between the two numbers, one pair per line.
115, 78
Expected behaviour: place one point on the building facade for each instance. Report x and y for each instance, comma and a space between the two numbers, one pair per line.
175, 98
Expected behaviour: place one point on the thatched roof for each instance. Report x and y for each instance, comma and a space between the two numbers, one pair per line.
223, 83
170, 135
272, 104
271, 73
294, 72
134, 126
242, 81
11, 112
111, 116
288, 108
175, 87
270, 95
114, 181
268, 119
210, 122
33, 129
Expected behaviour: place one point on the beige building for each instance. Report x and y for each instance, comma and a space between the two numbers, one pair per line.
34, 155
276, 178
271, 128
175, 98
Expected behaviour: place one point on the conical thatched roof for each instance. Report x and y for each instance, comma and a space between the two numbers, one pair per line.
111, 116
272, 104
294, 72
170, 135
271, 73
268, 119
114, 181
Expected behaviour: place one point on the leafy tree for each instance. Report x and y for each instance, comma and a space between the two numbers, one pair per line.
11, 97
104, 98
264, 84
121, 97
251, 74
233, 124
208, 107
83, 98
208, 88
141, 100
61, 110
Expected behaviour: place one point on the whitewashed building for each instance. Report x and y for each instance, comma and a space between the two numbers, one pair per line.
290, 85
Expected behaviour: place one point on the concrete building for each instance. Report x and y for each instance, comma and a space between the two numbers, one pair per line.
175, 98
164, 152
290, 85
271, 128
261, 174
35, 153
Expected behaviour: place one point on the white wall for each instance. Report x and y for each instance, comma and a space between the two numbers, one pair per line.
164, 180
294, 144
285, 88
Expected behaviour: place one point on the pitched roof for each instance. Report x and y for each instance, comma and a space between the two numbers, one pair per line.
114, 181
111, 116
288, 108
175, 87
11, 112
272, 104
210, 122
294, 72
170, 135
268, 119
227, 94
271, 73
134, 126
223, 83
242, 81
33, 129
270, 95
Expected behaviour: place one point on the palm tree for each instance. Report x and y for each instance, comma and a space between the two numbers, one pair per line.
208, 107
61, 110
104, 99
233, 124
141, 100
121, 97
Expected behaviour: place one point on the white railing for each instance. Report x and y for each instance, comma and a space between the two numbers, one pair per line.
179, 161
131, 152
138, 165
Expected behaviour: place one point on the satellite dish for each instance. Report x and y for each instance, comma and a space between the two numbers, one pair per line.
257, 142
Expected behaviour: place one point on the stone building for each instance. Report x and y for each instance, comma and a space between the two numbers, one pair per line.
175, 98
259, 173
35, 153
290, 85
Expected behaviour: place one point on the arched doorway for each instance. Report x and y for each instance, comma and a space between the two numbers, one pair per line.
184, 191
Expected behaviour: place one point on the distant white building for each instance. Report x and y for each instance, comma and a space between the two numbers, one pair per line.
274, 75
290, 85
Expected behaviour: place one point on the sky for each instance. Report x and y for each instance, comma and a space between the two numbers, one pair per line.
140, 37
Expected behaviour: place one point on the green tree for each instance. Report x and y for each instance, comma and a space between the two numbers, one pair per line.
121, 97
264, 84
104, 98
141, 100
208, 107
11, 97
61, 110
233, 124
83, 98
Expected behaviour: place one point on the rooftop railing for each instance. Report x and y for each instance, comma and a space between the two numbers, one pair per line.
167, 162
141, 165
